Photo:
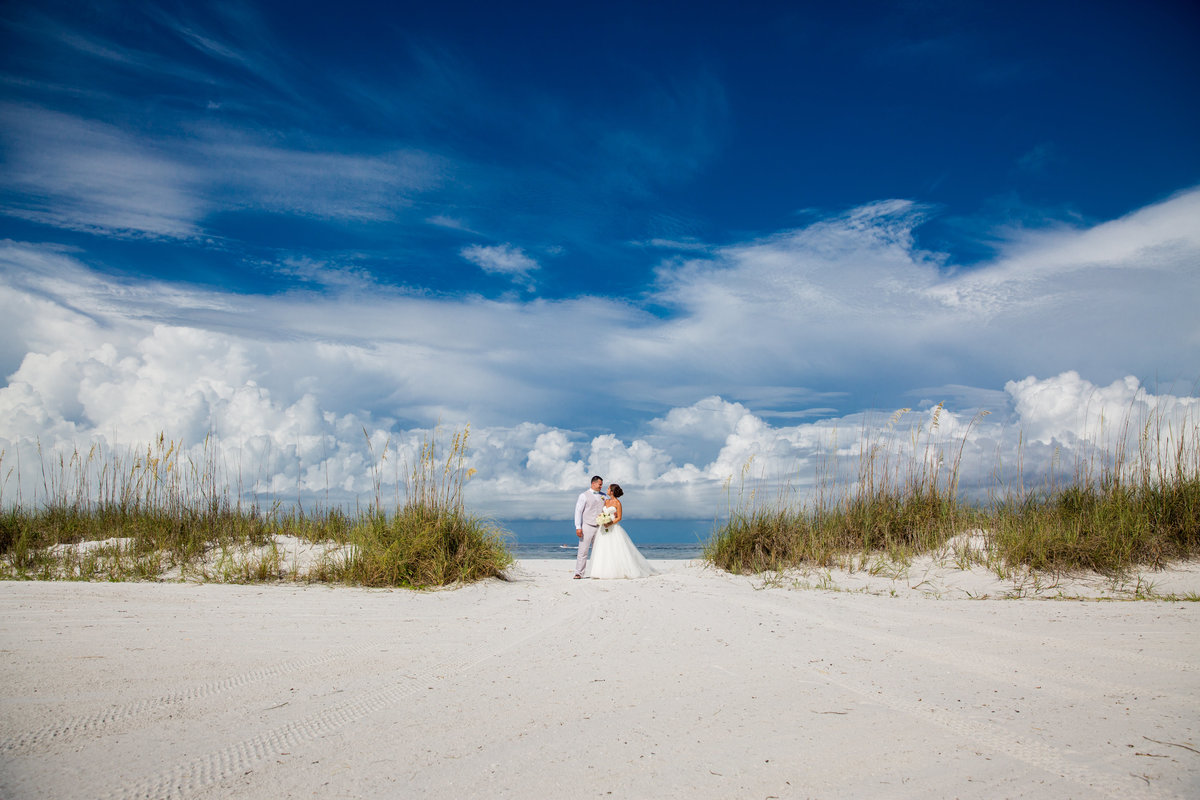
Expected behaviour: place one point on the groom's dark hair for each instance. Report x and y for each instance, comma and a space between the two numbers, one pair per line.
596, 478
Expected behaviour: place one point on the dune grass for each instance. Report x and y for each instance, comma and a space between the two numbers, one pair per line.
891, 508
155, 513
431, 540
1119, 511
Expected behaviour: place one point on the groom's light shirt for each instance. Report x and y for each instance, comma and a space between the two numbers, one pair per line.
581, 503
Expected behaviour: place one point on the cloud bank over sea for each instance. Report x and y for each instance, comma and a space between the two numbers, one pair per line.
781, 352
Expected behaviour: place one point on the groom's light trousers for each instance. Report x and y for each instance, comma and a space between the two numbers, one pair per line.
585, 547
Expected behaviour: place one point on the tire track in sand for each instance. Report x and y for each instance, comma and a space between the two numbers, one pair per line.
72, 727
239, 757
1041, 756
996, 667
1102, 654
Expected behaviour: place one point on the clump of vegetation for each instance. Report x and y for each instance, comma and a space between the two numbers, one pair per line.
431, 540
1118, 512
158, 512
895, 509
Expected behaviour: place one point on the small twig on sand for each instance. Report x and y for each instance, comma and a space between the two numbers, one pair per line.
1172, 744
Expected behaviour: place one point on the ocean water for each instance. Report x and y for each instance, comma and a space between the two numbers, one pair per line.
674, 552
679, 539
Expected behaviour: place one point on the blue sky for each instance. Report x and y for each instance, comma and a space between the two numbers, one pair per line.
606, 235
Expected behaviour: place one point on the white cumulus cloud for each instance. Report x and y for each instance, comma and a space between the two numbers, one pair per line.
502, 259
1057, 337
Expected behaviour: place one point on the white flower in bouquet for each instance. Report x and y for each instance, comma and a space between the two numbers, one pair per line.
607, 517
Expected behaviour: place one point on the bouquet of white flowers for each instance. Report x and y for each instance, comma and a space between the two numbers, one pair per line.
607, 517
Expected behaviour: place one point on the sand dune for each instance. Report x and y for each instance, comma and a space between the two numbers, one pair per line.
694, 683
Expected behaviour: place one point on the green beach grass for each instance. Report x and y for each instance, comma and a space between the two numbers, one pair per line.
158, 514
1121, 510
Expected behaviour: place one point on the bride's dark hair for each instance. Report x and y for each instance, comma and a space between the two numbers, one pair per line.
614, 490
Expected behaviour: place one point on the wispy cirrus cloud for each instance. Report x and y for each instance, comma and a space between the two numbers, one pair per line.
87, 175
1037, 159
132, 160
685, 245
323, 184
188, 133
109, 64
449, 222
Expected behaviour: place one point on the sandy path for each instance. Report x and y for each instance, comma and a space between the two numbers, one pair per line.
693, 683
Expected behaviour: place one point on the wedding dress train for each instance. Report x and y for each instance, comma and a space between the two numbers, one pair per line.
614, 555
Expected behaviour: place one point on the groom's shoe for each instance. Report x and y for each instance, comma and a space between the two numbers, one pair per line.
578, 577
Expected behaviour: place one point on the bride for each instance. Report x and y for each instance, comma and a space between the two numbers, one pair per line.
614, 554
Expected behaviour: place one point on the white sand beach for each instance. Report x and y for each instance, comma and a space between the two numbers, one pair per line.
693, 683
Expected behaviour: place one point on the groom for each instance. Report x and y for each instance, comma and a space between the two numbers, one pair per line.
587, 508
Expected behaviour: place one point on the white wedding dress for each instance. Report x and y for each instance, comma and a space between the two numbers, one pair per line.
615, 556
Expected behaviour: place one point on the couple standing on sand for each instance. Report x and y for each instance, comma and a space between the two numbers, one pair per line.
597, 524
